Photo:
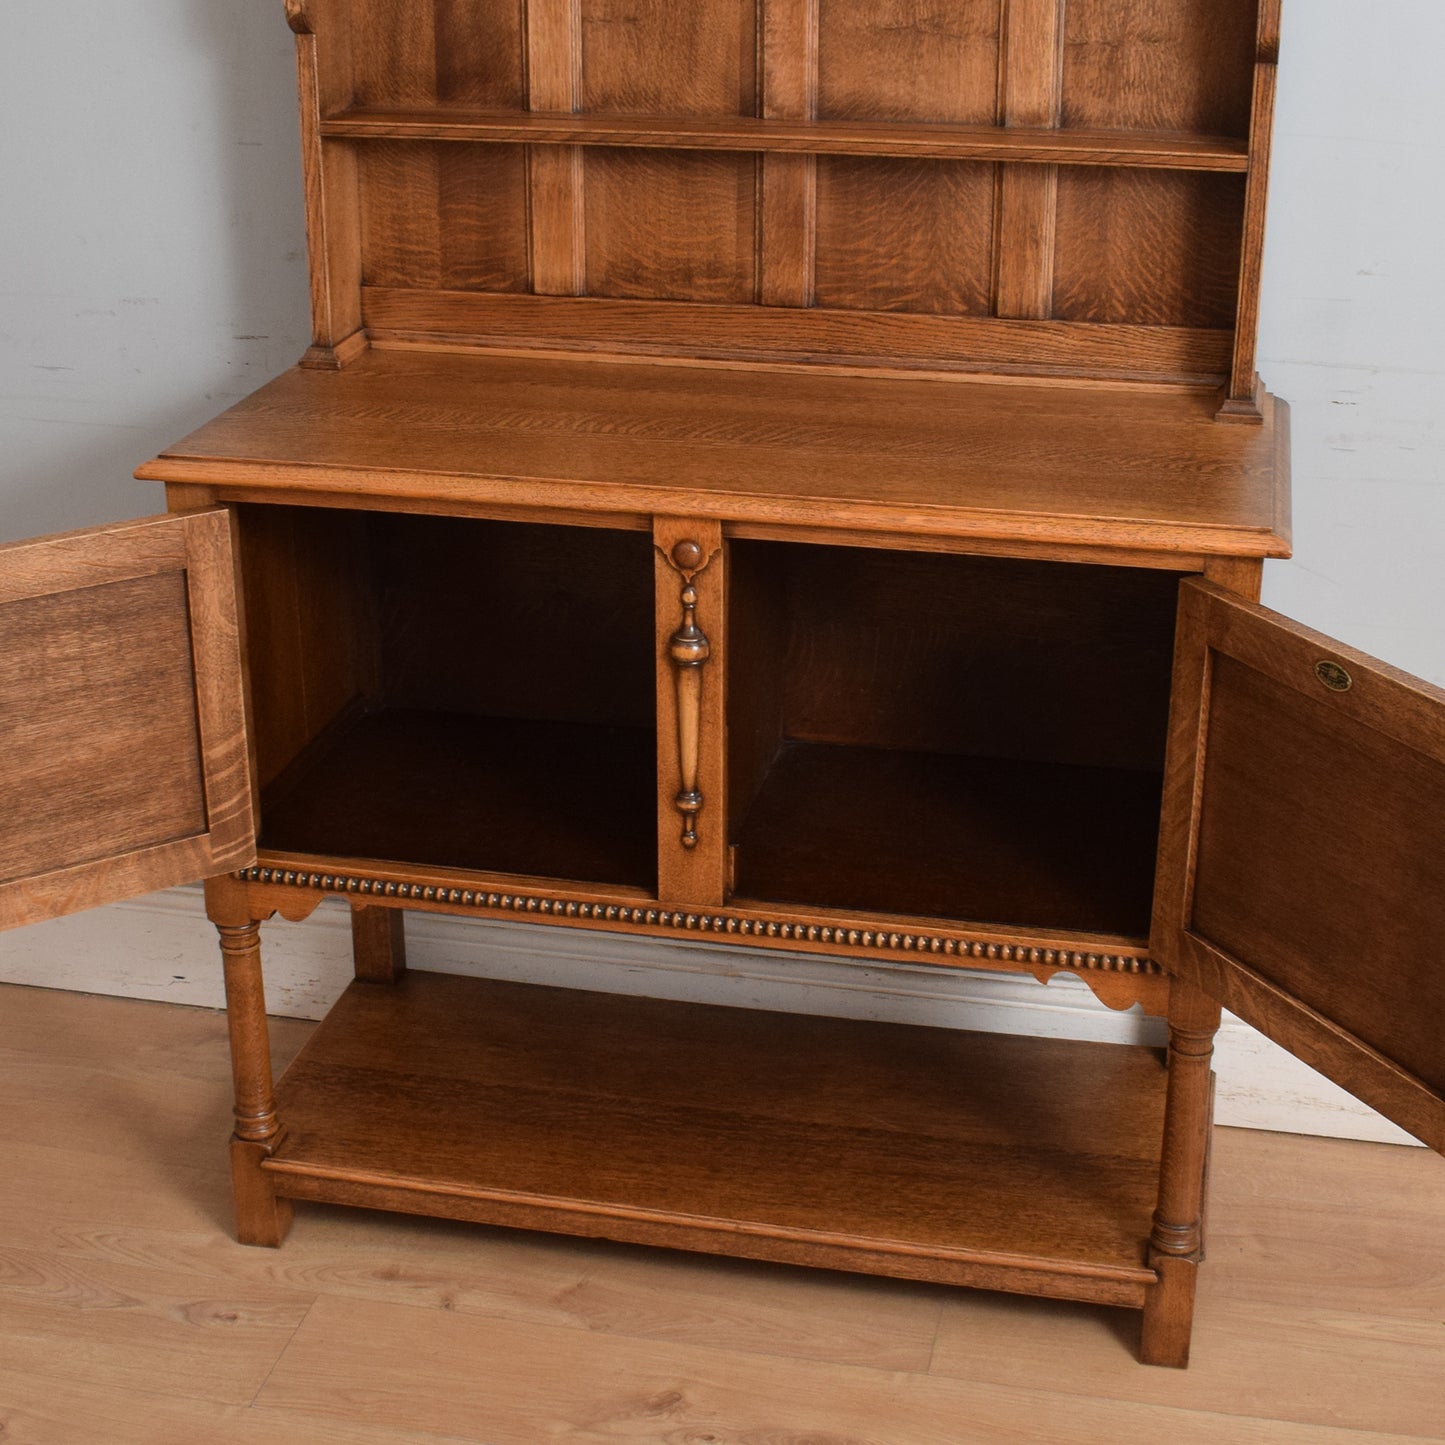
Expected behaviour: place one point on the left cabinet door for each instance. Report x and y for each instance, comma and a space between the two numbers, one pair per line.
124, 760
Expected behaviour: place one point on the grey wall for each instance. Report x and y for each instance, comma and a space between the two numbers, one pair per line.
1353, 330
152, 257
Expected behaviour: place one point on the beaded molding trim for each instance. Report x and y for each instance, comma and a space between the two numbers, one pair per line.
725, 924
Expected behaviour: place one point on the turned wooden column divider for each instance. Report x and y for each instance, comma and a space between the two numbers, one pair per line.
691, 720
261, 1217
1176, 1242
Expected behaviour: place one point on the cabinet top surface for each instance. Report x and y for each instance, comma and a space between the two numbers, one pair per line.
1131, 468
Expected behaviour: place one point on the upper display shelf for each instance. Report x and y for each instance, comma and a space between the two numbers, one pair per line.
1074, 186
1177, 151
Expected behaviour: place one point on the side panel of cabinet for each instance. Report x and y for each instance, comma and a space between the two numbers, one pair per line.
1302, 858
122, 705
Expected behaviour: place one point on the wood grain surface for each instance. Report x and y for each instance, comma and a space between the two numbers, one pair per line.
670, 228
127, 763
1339, 761
788, 135
114, 665
623, 1117
1057, 464
1159, 64
904, 235
444, 217
1158, 248
883, 343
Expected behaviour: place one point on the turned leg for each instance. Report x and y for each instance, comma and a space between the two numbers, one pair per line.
378, 942
261, 1217
1176, 1244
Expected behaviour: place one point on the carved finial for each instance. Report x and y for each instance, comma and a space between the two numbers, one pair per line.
687, 556
689, 649
298, 17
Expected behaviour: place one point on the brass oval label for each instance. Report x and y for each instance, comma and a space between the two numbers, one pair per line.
1334, 676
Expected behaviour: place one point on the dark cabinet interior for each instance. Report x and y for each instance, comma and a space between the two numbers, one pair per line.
472, 694
960, 737
911, 733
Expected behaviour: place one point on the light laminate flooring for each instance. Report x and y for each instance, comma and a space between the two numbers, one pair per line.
128, 1314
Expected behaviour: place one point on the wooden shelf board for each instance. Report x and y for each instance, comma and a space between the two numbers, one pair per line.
545, 799
922, 1152
917, 343
1037, 844
1143, 467
1045, 146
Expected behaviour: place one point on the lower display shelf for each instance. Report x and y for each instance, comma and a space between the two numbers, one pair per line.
1009, 1163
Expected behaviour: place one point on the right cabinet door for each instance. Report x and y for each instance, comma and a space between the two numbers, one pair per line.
1302, 853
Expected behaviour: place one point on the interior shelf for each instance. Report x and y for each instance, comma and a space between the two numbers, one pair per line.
984, 839
499, 795
937, 141
938, 1154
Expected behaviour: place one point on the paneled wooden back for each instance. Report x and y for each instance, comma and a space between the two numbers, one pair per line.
1047, 186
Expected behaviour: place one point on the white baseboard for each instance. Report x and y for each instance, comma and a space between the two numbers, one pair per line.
162, 947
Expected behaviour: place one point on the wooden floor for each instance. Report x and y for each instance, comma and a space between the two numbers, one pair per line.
127, 1314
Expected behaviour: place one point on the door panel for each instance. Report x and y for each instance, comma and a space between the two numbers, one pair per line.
123, 753
1302, 858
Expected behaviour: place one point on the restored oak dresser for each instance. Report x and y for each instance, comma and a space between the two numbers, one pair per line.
775, 471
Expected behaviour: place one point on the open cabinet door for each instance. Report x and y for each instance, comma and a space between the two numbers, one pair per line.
123, 753
1302, 858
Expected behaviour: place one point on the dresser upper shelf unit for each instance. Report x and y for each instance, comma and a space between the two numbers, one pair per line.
1023, 188
1152, 150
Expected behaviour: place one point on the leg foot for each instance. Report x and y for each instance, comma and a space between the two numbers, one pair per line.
261, 1217
1176, 1242
1169, 1313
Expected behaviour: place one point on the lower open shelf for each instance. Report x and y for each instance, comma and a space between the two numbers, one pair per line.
1022, 1164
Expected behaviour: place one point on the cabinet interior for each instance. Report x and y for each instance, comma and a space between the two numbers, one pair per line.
452, 692
960, 737
908, 733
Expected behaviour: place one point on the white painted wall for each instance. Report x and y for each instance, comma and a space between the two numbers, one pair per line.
152, 256
1353, 327
152, 271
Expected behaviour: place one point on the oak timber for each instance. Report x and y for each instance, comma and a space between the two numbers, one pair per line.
1117, 467
1034, 145
574, 1111
126, 761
